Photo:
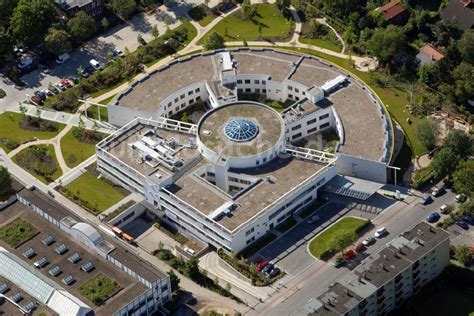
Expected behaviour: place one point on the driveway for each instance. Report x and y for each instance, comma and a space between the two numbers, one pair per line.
121, 36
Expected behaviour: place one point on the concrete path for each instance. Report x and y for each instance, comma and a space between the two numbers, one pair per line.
339, 37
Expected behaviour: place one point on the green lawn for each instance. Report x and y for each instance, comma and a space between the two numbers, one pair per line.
99, 289
11, 130
274, 25
394, 99
200, 15
279, 106
98, 194
93, 113
17, 232
321, 43
44, 167
320, 245
75, 151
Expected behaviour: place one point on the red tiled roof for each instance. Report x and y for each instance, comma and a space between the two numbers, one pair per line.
432, 51
391, 9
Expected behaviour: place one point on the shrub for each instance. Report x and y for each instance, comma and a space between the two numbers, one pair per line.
2, 93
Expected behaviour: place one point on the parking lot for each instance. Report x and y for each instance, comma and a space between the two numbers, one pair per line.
121, 36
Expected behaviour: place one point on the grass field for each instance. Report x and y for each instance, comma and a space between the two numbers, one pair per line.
279, 106
75, 151
200, 15
320, 245
274, 26
24, 160
321, 43
97, 192
99, 289
10, 129
17, 232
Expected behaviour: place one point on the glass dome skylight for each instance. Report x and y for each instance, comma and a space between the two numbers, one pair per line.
241, 130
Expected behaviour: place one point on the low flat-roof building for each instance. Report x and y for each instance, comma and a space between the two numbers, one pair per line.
67, 244
383, 281
93, 8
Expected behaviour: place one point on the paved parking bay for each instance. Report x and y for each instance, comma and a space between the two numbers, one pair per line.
120, 36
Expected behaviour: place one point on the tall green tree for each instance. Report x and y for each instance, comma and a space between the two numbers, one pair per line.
82, 26
464, 177
174, 279
6, 10
57, 41
427, 132
283, 5
444, 163
341, 8
5, 181
31, 19
385, 43
124, 8
6, 42
214, 41
460, 143
466, 46
464, 84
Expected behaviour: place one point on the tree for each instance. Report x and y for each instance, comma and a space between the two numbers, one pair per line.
342, 240
57, 41
283, 5
6, 10
124, 8
444, 162
82, 26
191, 269
464, 84
105, 23
385, 43
248, 10
466, 46
5, 181
427, 131
31, 19
6, 42
463, 255
341, 8
154, 31
214, 41
464, 177
460, 143
174, 280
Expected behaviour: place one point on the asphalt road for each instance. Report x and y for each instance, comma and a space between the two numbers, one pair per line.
309, 283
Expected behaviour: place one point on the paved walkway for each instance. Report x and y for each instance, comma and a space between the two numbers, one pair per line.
339, 37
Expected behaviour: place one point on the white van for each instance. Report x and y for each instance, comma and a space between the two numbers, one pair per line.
95, 64
61, 59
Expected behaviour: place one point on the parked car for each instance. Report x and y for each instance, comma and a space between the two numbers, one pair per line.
59, 86
369, 241
469, 219
47, 92
62, 59
117, 53
444, 209
274, 272
379, 233
35, 99
261, 265
142, 41
86, 72
268, 268
40, 95
437, 191
338, 262
65, 82
73, 79
348, 254
359, 248
54, 90
462, 224
95, 64
313, 219
425, 199
460, 198
25, 62
433, 217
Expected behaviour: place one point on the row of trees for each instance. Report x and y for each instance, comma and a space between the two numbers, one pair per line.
5, 182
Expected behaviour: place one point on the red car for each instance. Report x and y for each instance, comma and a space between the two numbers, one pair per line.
65, 83
360, 248
348, 254
261, 265
36, 100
